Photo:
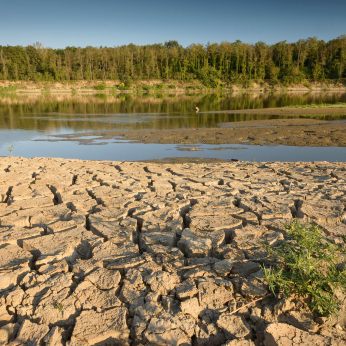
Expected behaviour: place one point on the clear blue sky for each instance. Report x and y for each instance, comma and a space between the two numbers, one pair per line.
62, 23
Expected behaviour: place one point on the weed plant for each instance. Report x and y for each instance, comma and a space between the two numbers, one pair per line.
127, 82
146, 87
308, 266
307, 85
10, 149
10, 88
159, 86
59, 306
195, 87
101, 86
122, 87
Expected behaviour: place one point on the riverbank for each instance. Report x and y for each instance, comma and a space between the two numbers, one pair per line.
160, 85
139, 253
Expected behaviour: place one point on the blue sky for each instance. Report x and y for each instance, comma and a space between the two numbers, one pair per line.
62, 23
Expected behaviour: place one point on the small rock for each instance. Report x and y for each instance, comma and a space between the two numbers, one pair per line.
234, 326
191, 306
281, 334
31, 334
224, 267
6, 332
337, 326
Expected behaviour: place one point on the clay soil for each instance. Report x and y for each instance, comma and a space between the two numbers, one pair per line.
128, 253
292, 132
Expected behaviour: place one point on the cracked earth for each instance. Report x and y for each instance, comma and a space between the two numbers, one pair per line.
124, 253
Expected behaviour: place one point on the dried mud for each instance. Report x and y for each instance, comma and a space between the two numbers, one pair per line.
121, 253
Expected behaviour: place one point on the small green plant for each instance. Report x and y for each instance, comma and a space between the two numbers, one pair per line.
248, 84
9, 88
121, 86
159, 86
101, 86
307, 266
59, 306
127, 82
146, 87
307, 85
10, 149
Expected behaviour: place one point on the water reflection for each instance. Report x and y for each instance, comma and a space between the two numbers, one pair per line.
53, 114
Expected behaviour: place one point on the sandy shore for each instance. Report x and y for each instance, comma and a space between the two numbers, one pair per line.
124, 253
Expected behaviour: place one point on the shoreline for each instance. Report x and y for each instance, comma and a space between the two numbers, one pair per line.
228, 90
165, 86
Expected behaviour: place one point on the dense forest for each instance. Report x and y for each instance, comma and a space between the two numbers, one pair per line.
235, 62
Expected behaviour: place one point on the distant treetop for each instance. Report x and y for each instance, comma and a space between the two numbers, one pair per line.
236, 62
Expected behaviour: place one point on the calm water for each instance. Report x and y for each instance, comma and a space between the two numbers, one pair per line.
24, 118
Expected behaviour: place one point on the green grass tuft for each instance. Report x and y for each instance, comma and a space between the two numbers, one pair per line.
59, 306
9, 88
308, 266
101, 86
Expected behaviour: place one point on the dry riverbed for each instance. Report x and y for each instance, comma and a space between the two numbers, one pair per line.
121, 253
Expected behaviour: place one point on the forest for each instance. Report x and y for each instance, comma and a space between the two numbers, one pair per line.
237, 62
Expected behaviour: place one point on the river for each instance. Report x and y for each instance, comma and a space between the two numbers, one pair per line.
28, 121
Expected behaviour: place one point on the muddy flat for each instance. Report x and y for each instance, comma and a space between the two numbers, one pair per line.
289, 111
274, 122
292, 132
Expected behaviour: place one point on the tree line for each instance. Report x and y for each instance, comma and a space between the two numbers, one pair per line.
236, 62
